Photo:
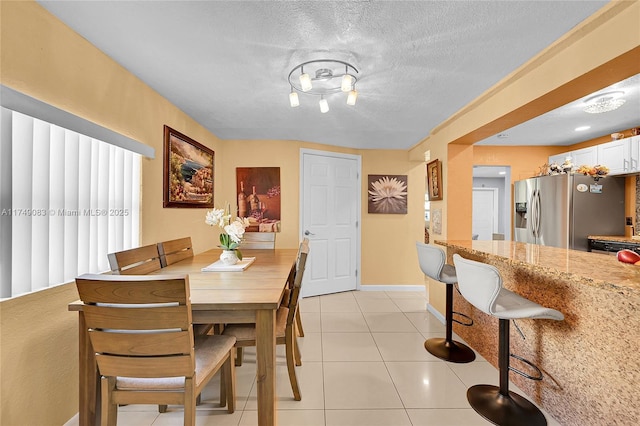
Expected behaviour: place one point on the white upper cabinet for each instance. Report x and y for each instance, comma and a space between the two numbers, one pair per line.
585, 156
616, 155
621, 156
634, 150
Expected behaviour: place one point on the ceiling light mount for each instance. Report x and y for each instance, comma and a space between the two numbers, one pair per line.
329, 76
604, 102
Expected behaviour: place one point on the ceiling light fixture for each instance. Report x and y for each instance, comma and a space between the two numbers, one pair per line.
329, 76
581, 128
604, 102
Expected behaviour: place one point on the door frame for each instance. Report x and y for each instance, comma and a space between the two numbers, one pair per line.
358, 158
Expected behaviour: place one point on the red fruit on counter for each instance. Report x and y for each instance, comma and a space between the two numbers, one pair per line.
628, 256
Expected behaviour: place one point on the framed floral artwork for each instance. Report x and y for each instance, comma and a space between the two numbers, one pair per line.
387, 194
434, 180
188, 171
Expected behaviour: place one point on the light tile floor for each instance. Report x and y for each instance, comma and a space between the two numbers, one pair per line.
364, 364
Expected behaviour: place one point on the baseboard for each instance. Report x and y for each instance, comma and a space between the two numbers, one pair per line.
435, 313
419, 288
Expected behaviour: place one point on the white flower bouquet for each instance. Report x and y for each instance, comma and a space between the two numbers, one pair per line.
233, 231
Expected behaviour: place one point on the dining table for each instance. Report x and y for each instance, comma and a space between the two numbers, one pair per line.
251, 295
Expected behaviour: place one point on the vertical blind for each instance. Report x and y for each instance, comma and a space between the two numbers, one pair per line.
66, 201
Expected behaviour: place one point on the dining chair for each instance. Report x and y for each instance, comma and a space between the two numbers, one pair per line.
140, 328
258, 240
135, 261
245, 334
175, 250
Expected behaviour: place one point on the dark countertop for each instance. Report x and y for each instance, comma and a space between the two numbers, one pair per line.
618, 238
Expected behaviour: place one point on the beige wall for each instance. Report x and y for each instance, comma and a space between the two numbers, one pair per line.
44, 59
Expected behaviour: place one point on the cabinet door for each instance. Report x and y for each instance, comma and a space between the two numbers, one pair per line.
634, 148
559, 158
587, 156
616, 155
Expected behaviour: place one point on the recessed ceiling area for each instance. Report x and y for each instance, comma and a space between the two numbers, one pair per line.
558, 127
225, 63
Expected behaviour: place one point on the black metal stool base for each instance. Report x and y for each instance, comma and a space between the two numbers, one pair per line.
513, 410
449, 351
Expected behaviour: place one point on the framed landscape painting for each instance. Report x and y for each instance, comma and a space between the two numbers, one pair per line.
188, 171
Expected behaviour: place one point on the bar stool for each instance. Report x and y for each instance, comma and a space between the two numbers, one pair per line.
432, 263
481, 285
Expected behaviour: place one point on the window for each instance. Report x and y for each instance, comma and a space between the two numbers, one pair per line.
66, 200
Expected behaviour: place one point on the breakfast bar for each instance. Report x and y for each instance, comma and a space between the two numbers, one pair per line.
590, 359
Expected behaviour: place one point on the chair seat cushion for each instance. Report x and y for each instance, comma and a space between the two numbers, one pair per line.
247, 332
509, 305
209, 351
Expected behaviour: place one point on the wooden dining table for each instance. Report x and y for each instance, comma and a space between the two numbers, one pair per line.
249, 296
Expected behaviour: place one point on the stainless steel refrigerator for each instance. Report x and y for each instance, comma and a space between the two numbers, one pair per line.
562, 210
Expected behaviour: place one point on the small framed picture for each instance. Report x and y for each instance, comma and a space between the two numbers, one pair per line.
434, 180
188, 172
387, 194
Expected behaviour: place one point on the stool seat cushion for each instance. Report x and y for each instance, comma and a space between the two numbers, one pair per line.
481, 285
509, 305
432, 262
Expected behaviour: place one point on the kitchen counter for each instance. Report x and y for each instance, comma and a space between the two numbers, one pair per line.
589, 360
593, 269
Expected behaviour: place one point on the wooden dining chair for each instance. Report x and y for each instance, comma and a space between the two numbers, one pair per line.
135, 261
258, 240
140, 328
245, 334
290, 284
175, 250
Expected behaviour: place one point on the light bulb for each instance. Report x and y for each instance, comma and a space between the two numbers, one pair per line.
293, 99
324, 105
346, 83
305, 82
353, 95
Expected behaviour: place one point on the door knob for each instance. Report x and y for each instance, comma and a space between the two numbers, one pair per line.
308, 233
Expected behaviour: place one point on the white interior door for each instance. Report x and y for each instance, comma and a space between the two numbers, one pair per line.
330, 210
485, 212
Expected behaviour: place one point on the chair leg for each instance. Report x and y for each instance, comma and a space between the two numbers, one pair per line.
290, 336
189, 402
299, 324
109, 415
162, 408
238, 360
296, 350
228, 379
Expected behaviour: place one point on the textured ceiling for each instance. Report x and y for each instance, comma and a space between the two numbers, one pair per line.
225, 63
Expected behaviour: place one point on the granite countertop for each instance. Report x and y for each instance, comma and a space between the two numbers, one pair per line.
595, 269
618, 238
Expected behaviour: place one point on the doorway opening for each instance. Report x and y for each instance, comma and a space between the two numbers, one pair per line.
491, 218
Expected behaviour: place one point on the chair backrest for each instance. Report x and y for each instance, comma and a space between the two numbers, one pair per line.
136, 261
175, 250
478, 282
301, 263
431, 259
258, 240
139, 326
